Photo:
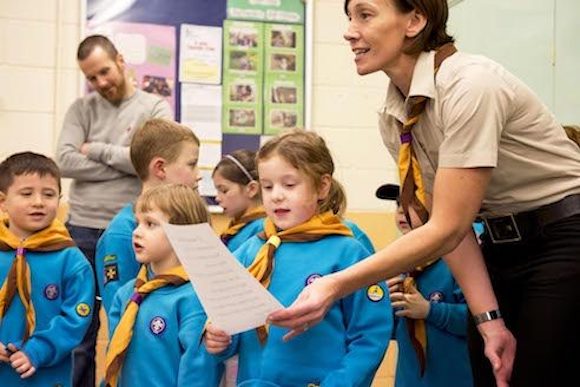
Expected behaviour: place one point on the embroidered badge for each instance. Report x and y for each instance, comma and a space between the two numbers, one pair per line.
436, 297
110, 257
83, 309
157, 325
375, 293
311, 278
111, 273
51, 291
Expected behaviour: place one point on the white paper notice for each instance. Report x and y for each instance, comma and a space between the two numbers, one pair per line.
232, 298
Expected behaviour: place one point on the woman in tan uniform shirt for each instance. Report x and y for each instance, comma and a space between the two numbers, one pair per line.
486, 146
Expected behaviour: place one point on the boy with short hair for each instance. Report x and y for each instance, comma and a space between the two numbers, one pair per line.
162, 152
47, 284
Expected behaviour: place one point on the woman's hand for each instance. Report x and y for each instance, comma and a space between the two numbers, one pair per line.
309, 308
500, 349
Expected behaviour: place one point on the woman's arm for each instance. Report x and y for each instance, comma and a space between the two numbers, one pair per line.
458, 193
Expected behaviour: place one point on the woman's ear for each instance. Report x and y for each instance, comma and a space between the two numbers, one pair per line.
417, 23
157, 168
324, 188
252, 189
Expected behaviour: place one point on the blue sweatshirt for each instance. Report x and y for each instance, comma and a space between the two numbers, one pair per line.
344, 349
166, 349
63, 295
115, 261
249, 230
447, 357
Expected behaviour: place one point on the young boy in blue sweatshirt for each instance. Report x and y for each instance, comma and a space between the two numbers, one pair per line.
431, 319
162, 152
47, 283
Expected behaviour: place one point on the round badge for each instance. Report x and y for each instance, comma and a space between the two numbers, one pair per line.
436, 297
311, 278
375, 293
51, 291
157, 325
83, 309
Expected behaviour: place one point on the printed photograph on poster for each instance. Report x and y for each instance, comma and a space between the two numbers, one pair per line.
243, 37
243, 60
157, 85
282, 38
149, 52
242, 117
282, 62
283, 119
284, 94
243, 92
200, 55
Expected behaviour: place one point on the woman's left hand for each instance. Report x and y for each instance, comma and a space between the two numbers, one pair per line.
308, 309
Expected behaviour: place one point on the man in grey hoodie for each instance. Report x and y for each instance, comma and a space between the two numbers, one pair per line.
93, 150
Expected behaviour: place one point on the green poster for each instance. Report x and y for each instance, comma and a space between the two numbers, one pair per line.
284, 77
279, 11
243, 80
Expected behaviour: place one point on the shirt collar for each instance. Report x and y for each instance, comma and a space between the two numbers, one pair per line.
422, 83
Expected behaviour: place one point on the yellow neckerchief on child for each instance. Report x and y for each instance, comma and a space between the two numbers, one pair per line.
124, 331
236, 225
54, 237
416, 327
316, 228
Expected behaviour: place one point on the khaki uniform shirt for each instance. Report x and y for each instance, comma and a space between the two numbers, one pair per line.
480, 115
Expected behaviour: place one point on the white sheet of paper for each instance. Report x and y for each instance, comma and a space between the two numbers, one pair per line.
232, 298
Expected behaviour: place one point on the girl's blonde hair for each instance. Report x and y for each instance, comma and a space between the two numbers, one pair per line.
307, 152
180, 203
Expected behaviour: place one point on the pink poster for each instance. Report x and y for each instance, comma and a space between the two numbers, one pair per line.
149, 51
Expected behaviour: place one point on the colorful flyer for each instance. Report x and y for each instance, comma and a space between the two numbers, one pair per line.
149, 51
243, 77
284, 77
200, 54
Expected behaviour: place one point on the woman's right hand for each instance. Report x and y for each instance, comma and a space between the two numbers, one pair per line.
216, 340
500, 349
309, 308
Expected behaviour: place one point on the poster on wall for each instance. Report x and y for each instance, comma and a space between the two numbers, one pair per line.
149, 52
280, 11
200, 54
243, 77
284, 77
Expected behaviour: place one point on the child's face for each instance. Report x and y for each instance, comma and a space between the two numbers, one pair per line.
402, 223
184, 170
149, 240
288, 194
31, 203
234, 198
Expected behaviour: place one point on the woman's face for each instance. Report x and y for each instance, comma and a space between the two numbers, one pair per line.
376, 33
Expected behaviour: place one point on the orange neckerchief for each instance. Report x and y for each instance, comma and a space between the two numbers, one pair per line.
54, 237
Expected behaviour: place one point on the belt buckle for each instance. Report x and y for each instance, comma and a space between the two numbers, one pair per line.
503, 229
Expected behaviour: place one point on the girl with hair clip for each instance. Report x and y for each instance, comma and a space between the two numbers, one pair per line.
157, 319
238, 192
304, 240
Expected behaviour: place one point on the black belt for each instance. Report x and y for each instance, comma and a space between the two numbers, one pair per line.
515, 227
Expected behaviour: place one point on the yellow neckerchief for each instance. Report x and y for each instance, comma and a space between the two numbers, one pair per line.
412, 186
124, 331
237, 224
54, 237
314, 229
416, 327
